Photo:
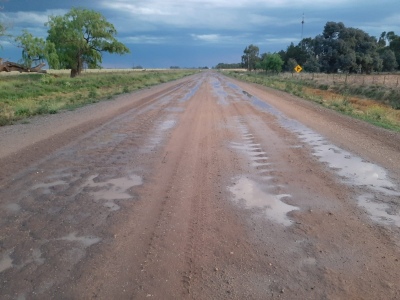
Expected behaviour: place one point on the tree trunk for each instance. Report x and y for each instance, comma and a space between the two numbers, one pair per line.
78, 69
74, 73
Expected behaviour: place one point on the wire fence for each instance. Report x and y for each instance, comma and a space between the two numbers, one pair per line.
383, 80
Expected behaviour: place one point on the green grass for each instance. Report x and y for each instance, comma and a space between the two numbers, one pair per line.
23, 96
384, 113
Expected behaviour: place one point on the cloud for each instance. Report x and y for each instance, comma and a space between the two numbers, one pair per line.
192, 14
206, 37
136, 9
30, 17
145, 39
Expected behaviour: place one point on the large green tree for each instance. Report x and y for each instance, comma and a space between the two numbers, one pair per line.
36, 50
80, 37
271, 62
2, 32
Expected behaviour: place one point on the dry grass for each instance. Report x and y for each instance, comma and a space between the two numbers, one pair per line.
351, 96
382, 80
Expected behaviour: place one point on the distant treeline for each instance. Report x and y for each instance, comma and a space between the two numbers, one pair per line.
229, 66
337, 49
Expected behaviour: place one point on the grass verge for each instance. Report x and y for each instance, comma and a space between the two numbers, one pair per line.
23, 96
381, 108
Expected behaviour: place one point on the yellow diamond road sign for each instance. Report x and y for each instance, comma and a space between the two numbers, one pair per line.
298, 69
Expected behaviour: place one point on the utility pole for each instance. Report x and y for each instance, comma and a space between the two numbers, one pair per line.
302, 30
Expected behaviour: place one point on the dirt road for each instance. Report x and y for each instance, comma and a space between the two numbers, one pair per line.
203, 188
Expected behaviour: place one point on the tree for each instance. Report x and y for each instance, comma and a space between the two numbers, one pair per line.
250, 57
228, 66
36, 50
394, 45
291, 64
388, 60
3, 30
312, 65
272, 62
80, 37
296, 53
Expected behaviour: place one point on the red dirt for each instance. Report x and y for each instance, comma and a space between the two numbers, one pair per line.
157, 195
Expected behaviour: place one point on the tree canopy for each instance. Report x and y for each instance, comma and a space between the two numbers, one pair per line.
270, 62
250, 57
80, 37
36, 50
337, 49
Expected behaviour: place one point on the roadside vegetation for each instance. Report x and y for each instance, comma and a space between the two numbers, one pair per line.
26, 95
379, 105
343, 68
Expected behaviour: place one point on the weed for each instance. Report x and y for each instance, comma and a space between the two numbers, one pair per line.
376, 113
22, 111
42, 109
46, 79
93, 93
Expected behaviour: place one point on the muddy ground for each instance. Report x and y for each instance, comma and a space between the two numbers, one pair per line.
203, 188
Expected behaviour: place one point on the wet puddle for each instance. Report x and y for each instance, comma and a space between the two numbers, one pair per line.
6, 261
381, 201
219, 91
85, 241
252, 195
191, 92
175, 109
380, 212
113, 189
159, 134
13, 207
383, 205
47, 186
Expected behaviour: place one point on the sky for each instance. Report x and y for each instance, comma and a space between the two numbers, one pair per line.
199, 33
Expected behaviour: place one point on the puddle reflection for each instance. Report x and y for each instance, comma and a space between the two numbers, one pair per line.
253, 196
351, 168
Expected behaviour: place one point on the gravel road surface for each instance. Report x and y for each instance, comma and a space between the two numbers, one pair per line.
201, 188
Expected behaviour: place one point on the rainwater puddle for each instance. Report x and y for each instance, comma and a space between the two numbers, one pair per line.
13, 207
114, 188
85, 241
219, 91
159, 134
175, 109
6, 261
47, 186
191, 92
166, 125
252, 195
380, 212
351, 168
37, 257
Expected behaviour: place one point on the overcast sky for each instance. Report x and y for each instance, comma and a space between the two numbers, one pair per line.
194, 33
